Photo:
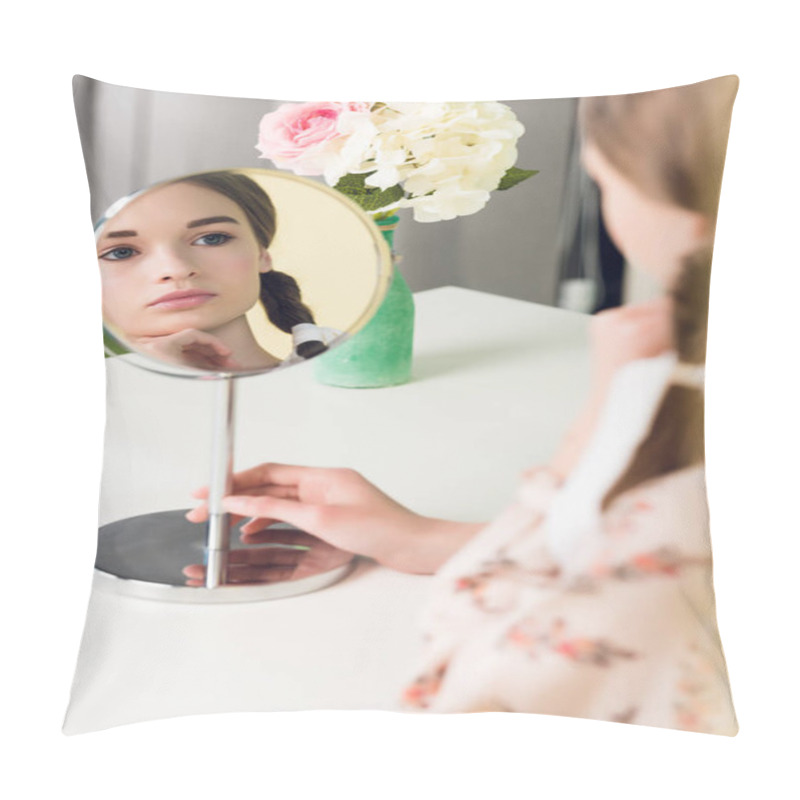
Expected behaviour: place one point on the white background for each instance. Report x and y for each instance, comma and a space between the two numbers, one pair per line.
411, 49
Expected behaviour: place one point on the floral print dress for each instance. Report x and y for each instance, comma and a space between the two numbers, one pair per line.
558, 607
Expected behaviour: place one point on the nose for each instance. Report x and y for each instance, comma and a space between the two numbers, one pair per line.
173, 265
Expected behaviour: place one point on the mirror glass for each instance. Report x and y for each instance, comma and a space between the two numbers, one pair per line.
237, 271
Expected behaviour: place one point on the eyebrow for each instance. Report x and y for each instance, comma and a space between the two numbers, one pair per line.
120, 234
195, 223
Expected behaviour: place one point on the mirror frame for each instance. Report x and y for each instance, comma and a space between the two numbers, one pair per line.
115, 346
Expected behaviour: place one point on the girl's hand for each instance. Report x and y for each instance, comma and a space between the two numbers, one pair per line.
189, 348
344, 509
628, 333
617, 337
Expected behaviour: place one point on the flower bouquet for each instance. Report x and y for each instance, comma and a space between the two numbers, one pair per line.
442, 160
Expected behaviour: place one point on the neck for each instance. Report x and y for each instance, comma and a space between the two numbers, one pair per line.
237, 335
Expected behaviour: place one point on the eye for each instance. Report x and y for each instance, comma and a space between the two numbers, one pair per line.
213, 239
118, 254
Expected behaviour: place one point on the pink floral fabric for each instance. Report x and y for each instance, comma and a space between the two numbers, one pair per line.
627, 635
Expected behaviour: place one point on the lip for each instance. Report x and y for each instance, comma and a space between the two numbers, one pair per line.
178, 300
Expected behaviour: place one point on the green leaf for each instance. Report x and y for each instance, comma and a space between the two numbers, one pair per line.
370, 198
514, 176
112, 347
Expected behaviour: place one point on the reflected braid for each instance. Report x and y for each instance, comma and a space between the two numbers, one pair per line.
284, 305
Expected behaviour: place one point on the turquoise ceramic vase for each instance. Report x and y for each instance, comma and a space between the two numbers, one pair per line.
380, 353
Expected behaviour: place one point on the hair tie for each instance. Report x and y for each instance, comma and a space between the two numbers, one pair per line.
692, 376
308, 339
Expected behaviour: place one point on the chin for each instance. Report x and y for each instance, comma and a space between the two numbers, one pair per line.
201, 321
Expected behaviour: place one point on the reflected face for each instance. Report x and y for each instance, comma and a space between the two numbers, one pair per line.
179, 256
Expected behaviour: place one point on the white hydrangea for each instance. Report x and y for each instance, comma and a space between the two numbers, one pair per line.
447, 156
357, 131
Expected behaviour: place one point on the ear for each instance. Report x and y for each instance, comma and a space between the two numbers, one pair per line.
265, 262
703, 229
691, 231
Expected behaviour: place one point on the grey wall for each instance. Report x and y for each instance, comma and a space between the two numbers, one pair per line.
132, 138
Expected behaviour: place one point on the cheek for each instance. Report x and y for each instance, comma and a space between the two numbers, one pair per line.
237, 273
617, 217
120, 295
630, 226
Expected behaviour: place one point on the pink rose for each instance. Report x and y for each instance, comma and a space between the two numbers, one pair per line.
305, 137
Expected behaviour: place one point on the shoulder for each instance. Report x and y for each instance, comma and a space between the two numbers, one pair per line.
670, 505
659, 528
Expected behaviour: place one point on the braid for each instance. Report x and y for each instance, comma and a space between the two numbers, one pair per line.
284, 305
676, 437
279, 292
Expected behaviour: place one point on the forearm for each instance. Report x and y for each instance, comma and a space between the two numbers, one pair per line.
430, 545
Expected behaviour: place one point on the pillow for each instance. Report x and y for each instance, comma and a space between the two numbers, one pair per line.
232, 234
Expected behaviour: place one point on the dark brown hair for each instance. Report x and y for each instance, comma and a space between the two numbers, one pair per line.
671, 144
280, 294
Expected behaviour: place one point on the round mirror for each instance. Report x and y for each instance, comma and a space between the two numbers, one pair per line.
236, 271
219, 275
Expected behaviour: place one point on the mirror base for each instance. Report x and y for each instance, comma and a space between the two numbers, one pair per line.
144, 557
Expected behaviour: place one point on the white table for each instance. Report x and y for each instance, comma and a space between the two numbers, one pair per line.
496, 382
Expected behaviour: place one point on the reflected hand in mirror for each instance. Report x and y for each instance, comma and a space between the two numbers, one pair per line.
188, 277
191, 348
290, 555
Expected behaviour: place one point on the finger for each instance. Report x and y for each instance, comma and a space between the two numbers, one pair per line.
272, 490
301, 515
289, 492
254, 525
194, 571
210, 362
201, 350
215, 347
281, 536
280, 479
271, 474
245, 574
193, 337
265, 557
290, 553
257, 557
204, 350
201, 514
201, 362
207, 354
